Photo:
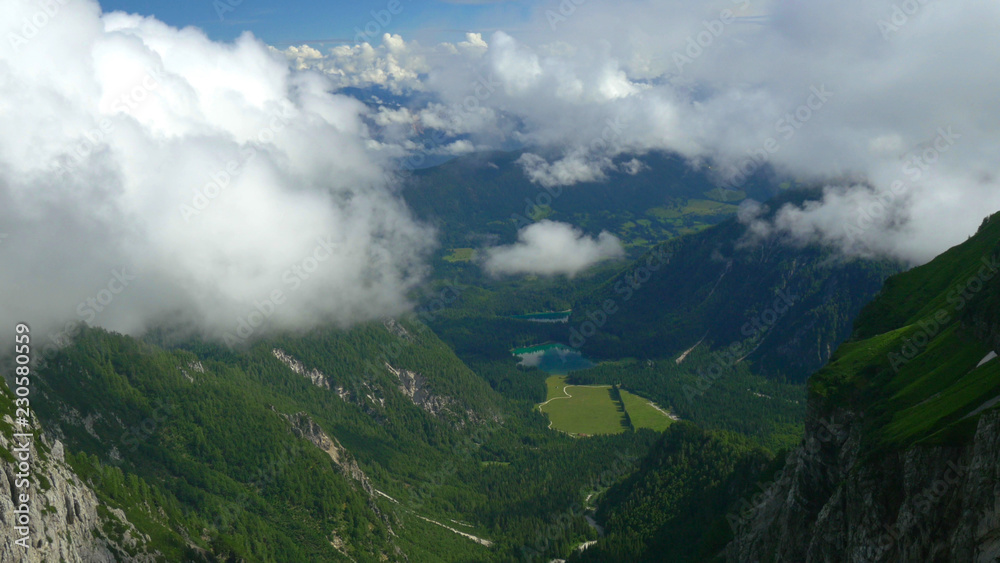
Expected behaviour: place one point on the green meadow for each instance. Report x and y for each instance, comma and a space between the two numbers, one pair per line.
587, 410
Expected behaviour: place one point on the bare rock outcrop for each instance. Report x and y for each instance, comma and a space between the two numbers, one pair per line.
64, 524
314, 375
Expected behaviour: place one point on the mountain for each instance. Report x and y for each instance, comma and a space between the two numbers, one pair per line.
780, 305
370, 444
485, 198
901, 456
672, 508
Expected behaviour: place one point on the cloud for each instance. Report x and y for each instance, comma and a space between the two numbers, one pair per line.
550, 248
149, 175
848, 94
569, 170
394, 64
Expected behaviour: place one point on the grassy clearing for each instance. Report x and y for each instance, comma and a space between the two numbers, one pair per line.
643, 414
587, 410
590, 409
707, 207
726, 196
460, 255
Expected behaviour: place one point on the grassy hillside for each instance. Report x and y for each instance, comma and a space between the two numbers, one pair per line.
916, 363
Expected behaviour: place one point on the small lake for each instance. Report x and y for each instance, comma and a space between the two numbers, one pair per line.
552, 317
553, 358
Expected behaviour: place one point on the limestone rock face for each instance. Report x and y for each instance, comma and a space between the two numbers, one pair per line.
414, 386
922, 504
318, 379
64, 522
305, 427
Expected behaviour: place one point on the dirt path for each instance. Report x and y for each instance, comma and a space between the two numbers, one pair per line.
689, 350
478, 540
667, 414
568, 396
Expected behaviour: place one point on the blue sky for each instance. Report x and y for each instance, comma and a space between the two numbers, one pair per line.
313, 21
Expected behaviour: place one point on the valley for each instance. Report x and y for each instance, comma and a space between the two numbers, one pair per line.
468, 430
495, 281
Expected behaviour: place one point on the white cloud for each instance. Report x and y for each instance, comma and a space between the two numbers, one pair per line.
828, 92
572, 169
550, 248
207, 176
395, 64
633, 167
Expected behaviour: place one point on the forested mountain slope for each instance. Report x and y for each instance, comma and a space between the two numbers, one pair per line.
780, 305
374, 443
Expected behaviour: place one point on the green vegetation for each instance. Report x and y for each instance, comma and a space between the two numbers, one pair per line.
598, 409
583, 411
643, 414
706, 207
726, 195
912, 361
788, 306
674, 507
460, 255
213, 466
735, 399
486, 198
6, 410
210, 451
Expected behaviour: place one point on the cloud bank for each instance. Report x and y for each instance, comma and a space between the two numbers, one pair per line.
150, 175
551, 248
889, 103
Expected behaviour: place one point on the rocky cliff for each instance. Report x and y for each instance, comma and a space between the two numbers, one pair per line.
901, 455
833, 503
64, 523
